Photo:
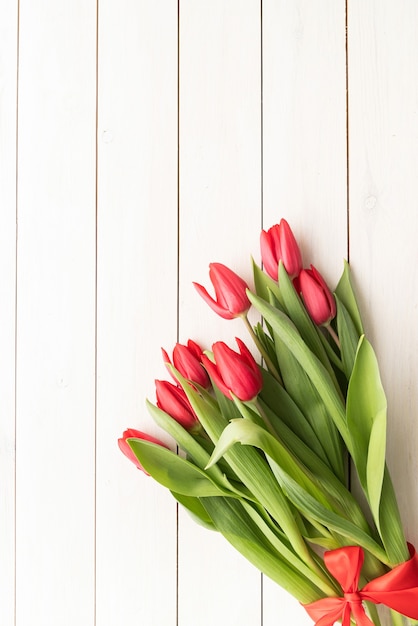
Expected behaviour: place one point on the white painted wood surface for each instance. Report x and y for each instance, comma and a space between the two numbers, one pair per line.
55, 348
139, 142
8, 86
136, 544
220, 165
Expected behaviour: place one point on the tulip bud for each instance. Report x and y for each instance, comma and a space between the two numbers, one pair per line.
318, 299
230, 292
187, 360
124, 446
233, 372
173, 400
279, 244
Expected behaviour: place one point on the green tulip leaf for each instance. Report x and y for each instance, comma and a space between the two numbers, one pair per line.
195, 449
300, 317
264, 285
283, 406
206, 409
226, 405
317, 373
248, 433
321, 484
348, 336
375, 463
346, 504
189, 444
250, 468
314, 510
305, 395
172, 471
183, 438
243, 533
344, 292
267, 343
366, 420
280, 543
329, 543
195, 509
391, 529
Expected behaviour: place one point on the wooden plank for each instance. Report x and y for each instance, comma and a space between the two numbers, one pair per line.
304, 155
56, 314
304, 119
383, 88
137, 302
220, 216
8, 74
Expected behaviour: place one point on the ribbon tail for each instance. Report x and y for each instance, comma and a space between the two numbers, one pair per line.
360, 616
326, 611
398, 589
346, 615
404, 601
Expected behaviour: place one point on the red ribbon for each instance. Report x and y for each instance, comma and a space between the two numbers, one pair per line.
398, 589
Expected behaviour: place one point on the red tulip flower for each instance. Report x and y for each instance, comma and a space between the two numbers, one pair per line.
173, 400
187, 360
230, 292
317, 297
131, 433
234, 372
279, 244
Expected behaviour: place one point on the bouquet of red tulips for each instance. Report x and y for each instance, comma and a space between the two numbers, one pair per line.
268, 446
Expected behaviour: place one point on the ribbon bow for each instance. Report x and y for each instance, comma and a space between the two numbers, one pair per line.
398, 589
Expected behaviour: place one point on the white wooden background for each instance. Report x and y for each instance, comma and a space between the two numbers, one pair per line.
140, 140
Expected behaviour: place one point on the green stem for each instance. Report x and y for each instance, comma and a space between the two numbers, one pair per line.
315, 576
291, 529
330, 352
272, 368
255, 404
374, 615
333, 335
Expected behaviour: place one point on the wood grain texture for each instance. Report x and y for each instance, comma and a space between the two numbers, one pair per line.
137, 303
56, 315
304, 120
220, 215
154, 137
8, 123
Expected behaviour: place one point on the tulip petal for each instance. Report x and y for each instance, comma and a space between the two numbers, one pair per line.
195, 349
290, 252
173, 401
230, 289
167, 362
268, 255
230, 292
330, 298
189, 365
317, 297
246, 354
239, 373
126, 449
220, 310
212, 370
